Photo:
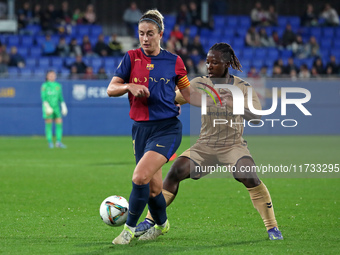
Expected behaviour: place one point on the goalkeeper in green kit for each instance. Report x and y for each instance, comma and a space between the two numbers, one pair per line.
52, 97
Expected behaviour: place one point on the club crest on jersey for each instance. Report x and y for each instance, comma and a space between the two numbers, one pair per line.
149, 67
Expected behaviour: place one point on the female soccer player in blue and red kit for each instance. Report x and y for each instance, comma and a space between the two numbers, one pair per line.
149, 75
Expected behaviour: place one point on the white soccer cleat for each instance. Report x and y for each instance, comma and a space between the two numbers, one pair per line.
125, 237
155, 232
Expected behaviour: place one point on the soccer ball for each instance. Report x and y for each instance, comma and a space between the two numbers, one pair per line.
114, 211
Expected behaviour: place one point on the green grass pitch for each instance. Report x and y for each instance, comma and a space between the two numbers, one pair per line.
49, 200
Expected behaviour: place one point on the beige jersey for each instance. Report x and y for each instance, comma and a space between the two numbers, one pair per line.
222, 134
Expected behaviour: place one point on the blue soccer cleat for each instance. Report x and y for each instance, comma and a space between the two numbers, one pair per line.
60, 145
275, 234
143, 227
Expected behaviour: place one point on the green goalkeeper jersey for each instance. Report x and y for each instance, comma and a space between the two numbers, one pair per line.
52, 93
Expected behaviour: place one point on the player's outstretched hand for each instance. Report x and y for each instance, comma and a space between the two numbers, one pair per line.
139, 90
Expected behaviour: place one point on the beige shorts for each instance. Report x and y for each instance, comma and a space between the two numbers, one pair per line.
205, 155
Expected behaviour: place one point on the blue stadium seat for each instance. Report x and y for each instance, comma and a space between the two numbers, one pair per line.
336, 53
169, 21
326, 43
337, 31
227, 39
269, 30
247, 53
294, 21
98, 62
13, 72
308, 61
64, 73
229, 32
324, 52
82, 30
241, 32
238, 42
219, 21
232, 21
57, 62
33, 29
206, 47
213, 40
280, 31
13, 40
23, 51
244, 21
260, 53
43, 62
55, 39
205, 33
3, 38
316, 32
238, 52
245, 63
40, 72
87, 60
25, 72
193, 31
93, 41
269, 62
328, 32
35, 51
257, 63
286, 53
27, 41
69, 61
282, 21
336, 44
40, 39
217, 32
96, 30
109, 62
31, 62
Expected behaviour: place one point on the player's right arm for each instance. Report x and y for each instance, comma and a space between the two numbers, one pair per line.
120, 85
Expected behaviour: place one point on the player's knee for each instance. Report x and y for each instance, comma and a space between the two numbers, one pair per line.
140, 179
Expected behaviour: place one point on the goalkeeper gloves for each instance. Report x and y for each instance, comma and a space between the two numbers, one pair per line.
48, 108
64, 110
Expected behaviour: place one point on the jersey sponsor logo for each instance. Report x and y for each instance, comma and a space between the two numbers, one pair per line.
137, 59
149, 67
158, 145
144, 80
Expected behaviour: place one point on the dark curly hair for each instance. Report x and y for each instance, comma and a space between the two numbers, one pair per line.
228, 54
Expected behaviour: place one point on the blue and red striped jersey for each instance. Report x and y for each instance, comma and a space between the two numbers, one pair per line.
160, 74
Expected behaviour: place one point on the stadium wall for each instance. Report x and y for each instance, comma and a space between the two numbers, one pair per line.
91, 112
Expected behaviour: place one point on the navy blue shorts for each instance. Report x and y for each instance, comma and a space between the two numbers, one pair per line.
162, 136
